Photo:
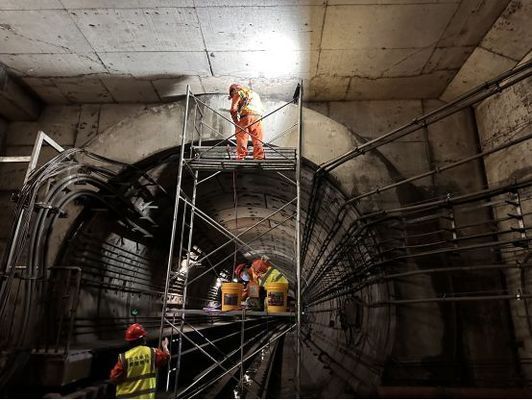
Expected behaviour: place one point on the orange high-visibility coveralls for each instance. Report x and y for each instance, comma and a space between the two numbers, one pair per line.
246, 104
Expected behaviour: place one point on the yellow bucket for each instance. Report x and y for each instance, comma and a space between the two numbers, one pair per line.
276, 297
231, 296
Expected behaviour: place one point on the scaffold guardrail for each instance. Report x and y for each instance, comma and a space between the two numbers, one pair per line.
202, 163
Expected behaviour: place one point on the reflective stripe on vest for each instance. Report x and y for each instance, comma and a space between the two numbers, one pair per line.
140, 374
251, 103
272, 276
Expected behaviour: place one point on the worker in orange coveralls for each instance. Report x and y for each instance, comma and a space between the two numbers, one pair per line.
135, 372
246, 109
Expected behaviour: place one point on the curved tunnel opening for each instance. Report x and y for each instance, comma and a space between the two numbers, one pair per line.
389, 286
124, 271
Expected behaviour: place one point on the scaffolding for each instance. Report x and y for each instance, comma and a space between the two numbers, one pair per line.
202, 163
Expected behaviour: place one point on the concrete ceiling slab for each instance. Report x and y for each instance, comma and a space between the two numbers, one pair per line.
506, 43
481, 66
388, 26
165, 29
80, 4
448, 58
282, 89
127, 90
157, 64
374, 62
373, 124
85, 89
46, 89
264, 63
261, 28
275, 88
511, 35
326, 88
471, 21
424, 86
53, 64
387, 2
169, 87
217, 84
375, 45
259, 3
30, 5
44, 31
526, 58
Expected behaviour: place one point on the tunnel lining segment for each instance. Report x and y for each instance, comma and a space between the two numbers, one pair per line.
218, 159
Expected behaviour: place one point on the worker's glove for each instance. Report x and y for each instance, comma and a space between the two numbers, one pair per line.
164, 344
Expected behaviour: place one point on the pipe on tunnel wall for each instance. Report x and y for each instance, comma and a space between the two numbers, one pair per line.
341, 327
156, 151
354, 178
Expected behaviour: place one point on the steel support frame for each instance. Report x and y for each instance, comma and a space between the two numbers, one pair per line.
355, 283
474, 96
32, 164
182, 201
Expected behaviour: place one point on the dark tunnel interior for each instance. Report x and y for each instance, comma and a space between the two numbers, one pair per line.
404, 287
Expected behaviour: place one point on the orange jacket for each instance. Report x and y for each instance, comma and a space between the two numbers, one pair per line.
244, 102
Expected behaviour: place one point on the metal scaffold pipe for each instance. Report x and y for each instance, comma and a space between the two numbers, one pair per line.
175, 214
298, 237
207, 158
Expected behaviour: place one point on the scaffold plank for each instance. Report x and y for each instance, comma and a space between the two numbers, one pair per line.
223, 159
219, 313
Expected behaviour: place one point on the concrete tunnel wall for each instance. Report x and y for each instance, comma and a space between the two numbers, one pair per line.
157, 129
503, 118
417, 333
131, 140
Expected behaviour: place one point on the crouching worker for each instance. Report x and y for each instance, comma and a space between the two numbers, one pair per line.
250, 294
265, 273
135, 372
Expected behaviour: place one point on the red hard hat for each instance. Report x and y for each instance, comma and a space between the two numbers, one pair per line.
239, 268
135, 332
234, 86
260, 266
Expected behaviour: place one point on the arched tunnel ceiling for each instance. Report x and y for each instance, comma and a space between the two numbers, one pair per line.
258, 196
148, 50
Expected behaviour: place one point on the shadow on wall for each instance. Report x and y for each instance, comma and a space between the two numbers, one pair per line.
108, 88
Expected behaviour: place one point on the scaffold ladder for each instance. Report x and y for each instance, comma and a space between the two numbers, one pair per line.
202, 163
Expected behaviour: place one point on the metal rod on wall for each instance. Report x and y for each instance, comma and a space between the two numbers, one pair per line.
187, 266
298, 237
176, 212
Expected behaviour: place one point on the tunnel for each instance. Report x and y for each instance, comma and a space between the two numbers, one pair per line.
400, 283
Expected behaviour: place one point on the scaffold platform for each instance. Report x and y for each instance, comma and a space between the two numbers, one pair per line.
196, 157
218, 158
236, 313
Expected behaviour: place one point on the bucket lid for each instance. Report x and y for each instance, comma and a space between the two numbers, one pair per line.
232, 285
276, 285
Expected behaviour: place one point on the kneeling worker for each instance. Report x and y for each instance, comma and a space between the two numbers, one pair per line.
265, 273
251, 292
135, 372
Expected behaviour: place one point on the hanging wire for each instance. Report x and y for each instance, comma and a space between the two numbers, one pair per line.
235, 202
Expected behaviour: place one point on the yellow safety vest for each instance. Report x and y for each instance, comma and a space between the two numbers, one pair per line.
273, 275
140, 374
251, 102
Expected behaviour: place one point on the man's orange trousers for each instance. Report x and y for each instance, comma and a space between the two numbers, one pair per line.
255, 131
